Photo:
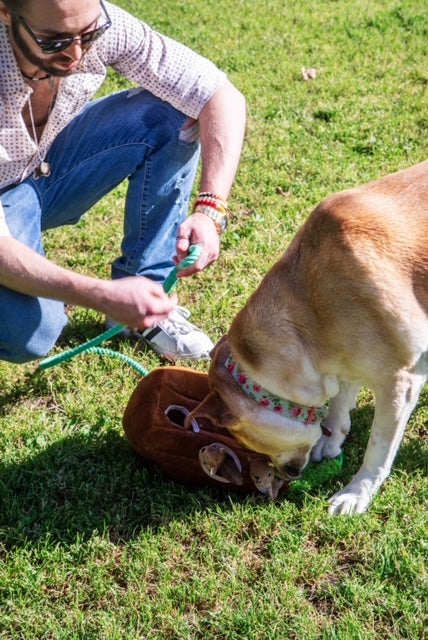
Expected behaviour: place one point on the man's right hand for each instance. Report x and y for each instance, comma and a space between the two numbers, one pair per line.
137, 302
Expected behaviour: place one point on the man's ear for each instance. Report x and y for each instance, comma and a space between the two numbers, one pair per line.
213, 408
5, 14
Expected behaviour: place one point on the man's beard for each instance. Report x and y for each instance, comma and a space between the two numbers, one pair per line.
32, 57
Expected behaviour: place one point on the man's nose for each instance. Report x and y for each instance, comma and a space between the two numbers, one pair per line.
75, 49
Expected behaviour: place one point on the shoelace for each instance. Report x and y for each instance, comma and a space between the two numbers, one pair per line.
174, 327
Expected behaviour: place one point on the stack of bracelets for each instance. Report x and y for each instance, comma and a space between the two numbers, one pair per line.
214, 207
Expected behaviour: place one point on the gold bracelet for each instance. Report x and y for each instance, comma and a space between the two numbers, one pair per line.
219, 218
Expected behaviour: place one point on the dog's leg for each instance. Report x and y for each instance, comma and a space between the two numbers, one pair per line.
393, 409
338, 422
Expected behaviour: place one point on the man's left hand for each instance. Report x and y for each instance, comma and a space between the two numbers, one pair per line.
197, 229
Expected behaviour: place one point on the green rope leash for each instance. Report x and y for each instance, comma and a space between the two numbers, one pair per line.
116, 354
91, 346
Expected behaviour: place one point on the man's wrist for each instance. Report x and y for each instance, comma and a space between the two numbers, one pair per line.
214, 207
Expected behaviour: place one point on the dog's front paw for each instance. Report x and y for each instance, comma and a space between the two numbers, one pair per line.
348, 504
325, 448
355, 498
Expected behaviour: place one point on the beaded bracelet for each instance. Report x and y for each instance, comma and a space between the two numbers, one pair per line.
214, 207
211, 200
206, 194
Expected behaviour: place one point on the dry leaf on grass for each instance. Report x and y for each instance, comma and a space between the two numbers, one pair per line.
309, 74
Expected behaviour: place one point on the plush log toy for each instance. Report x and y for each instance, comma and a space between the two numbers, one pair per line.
205, 454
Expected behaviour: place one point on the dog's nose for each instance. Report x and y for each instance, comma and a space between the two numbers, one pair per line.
292, 473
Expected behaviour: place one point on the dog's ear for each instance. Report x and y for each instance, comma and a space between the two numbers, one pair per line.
218, 344
213, 408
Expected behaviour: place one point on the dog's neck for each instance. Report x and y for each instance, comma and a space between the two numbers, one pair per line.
286, 408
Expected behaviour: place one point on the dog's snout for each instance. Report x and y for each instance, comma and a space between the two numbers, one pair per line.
293, 473
291, 468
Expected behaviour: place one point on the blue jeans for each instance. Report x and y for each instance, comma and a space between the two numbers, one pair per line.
131, 134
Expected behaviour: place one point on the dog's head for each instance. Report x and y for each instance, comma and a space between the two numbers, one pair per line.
287, 442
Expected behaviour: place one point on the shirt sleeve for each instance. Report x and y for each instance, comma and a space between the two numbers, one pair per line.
4, 229
166, 68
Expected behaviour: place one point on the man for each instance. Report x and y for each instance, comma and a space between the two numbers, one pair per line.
60, 153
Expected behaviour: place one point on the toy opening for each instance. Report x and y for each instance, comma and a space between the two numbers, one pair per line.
221, 463
177, 414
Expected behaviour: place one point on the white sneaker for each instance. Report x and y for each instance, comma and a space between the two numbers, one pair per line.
174, 338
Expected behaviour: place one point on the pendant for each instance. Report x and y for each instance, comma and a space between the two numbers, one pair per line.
43, 170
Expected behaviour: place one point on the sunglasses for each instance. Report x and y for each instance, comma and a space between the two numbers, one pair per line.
55, 45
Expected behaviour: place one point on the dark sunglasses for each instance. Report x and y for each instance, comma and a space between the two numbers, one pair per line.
54, 45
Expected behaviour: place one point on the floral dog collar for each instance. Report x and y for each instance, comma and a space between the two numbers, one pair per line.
306, 415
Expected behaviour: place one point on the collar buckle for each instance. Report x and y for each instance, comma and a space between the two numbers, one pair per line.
325, 430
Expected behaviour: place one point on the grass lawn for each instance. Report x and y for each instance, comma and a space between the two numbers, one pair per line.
93, 545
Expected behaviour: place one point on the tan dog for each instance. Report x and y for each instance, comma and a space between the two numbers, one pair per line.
345, 306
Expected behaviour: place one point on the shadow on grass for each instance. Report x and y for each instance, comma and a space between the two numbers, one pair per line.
77, 333
95, 482
80, 331
84, 484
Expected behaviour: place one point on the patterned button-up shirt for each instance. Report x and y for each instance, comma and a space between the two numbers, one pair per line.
164, 67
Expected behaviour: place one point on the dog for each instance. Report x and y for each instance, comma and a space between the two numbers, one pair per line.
346, 306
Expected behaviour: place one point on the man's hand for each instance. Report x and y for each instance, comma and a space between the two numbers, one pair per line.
197, 229
137, 302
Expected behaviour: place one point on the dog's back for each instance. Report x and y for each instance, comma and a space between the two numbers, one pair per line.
382, 223
352, 287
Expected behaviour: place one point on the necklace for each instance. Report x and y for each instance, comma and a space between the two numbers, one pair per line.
33, 79
44, 168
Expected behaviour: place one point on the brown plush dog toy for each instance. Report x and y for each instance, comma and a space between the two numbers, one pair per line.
201, 455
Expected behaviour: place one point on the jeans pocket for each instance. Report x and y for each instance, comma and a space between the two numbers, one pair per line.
190, 131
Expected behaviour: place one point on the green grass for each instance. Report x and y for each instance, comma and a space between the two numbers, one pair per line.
94, 546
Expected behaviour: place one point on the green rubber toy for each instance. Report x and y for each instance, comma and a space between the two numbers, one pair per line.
317, 473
